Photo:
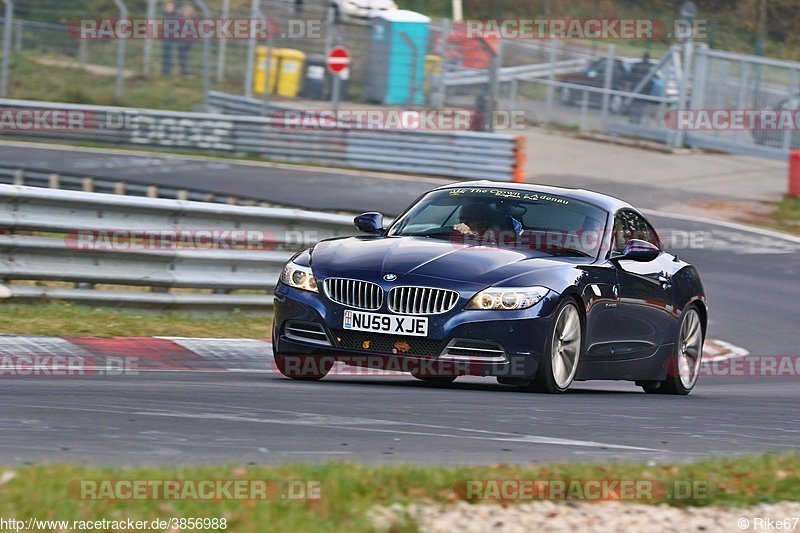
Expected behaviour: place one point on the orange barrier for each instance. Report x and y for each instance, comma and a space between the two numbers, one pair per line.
794, 174
519, 162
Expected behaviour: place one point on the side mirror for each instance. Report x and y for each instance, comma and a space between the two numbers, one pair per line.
369, 222
638, 250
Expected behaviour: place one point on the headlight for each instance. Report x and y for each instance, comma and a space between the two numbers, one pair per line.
508, 298
299, 277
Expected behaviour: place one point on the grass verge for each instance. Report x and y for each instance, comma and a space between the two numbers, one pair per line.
782, 216
76, 320
348, 491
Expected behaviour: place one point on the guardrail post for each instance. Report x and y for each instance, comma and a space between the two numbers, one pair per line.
54, 181
88, 184
19, 177
119, 188
8, 27
123, 14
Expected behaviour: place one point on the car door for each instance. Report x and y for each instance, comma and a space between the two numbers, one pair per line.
646, 316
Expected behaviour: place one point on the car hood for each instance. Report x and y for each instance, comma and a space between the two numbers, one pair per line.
426, 257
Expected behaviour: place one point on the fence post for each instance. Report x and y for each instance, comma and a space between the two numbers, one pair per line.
222, 47
688, 50
794, 174
255, 8
148, 43
607, 85
18, 37
206, 55
123, 14
7, 29
551, 81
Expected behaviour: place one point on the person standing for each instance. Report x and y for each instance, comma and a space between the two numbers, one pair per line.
168, 44
185, 45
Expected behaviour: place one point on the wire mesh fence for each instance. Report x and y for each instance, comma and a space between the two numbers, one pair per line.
584, 85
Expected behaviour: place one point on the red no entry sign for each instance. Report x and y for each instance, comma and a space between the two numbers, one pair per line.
338, 59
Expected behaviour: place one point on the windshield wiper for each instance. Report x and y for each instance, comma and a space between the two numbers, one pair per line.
436, 232
568, 251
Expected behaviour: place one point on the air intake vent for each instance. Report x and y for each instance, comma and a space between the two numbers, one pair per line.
421, 300
354, 293
471, 350
306, 332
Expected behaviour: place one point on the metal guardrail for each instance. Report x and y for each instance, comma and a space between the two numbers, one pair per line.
506, 74
459, 154
30, 216
33, 177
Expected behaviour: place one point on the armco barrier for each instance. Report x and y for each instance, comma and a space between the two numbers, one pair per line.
461, 154
29, 257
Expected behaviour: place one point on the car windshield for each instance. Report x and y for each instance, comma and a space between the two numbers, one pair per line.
540, 222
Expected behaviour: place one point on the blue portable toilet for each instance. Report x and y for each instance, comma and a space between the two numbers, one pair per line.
396, 66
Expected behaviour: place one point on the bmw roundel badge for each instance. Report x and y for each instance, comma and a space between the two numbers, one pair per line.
390, 277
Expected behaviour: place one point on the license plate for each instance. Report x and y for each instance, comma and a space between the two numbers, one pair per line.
392, 324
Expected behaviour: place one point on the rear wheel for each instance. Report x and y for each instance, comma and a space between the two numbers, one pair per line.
684, 365
560, 361
302, 367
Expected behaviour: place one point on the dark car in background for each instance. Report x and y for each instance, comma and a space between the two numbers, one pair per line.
776, 137
537, 286
626, 75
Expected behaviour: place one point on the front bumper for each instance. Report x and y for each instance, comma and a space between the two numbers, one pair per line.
459, 342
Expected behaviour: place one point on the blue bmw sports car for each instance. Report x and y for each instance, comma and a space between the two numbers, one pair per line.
536, 286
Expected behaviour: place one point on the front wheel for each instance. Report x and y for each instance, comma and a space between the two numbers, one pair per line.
559, 363
684, 365
303, 368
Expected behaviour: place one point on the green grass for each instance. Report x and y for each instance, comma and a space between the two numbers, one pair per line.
75, 320
348, 491
787, 215
30, 80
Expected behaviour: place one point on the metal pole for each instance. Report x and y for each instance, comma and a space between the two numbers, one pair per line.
222, 48
18, 35
251, 49
148, 43
268, 80
8, 28
412, 85
206, 55
607, 85
551, 78
494, 82
123, 14
688, 50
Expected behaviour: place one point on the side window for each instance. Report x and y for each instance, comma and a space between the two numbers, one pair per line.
629, 225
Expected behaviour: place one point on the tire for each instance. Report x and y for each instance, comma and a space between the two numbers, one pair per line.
303, 368
563, 350
684, 365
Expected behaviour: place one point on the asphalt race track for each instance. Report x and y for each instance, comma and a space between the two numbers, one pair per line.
199, 417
